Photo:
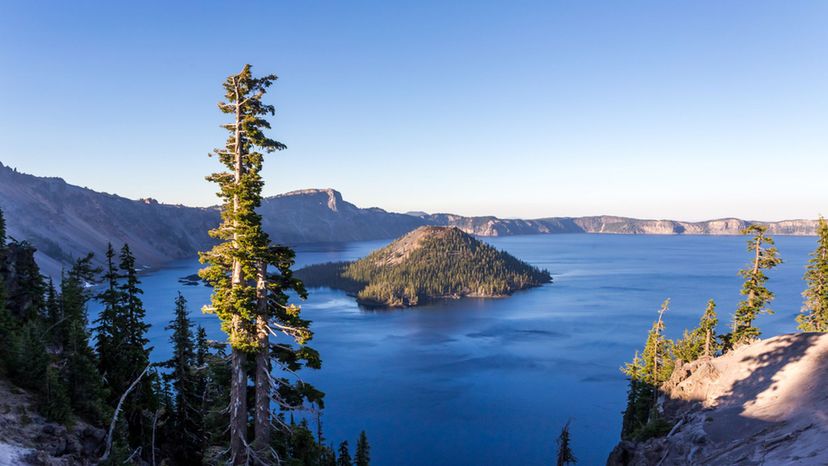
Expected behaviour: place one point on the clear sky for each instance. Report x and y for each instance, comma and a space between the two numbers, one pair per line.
680, 109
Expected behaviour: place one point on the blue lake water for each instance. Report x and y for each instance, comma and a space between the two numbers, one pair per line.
491, 382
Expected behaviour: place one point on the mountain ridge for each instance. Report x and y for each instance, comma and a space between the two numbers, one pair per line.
64, 221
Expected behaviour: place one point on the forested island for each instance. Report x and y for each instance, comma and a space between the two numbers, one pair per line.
427, 264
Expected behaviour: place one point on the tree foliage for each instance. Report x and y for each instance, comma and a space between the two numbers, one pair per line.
701, 341
814, 314
757, 296
565, 455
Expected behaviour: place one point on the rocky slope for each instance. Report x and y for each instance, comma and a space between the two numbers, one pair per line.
65, 221
762, 404
26, 438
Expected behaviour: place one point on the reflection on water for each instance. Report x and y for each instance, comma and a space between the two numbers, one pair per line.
483, 382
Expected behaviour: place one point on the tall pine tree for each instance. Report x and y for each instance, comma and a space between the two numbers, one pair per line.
109, 328
238, 266
757, 296
363, 451
135, 354
814, 315
188, 441
84, 383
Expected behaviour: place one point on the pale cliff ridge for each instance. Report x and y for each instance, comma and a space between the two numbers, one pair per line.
761, 404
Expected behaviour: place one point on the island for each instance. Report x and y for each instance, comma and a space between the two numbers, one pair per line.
427, 264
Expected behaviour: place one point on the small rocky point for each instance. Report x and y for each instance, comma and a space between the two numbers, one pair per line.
762, 404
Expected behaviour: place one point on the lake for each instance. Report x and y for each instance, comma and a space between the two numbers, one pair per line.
491, 382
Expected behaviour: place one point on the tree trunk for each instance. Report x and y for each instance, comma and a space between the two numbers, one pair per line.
238, 382
238, 408
263, 388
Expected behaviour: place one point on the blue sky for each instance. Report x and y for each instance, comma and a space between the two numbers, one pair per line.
685, 109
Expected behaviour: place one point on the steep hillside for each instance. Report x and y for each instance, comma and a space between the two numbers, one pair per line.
65, 221
428, 263
764, 403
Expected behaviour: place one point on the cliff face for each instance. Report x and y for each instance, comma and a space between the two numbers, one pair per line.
321, 215
764, 403
607, 224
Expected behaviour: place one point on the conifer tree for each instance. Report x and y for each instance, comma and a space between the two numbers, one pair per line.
135, 354
363, 451
344, 457
84, 383
188, 438
639, 396
757, 296
24, 298
2, 230
702, 340
565, 455
814, 314
109, 328
56, 405
658, 364
245, 298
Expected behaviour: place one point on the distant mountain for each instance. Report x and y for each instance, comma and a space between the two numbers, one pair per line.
65, 221
426, 264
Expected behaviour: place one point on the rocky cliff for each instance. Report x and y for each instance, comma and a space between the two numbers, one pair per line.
607, 224
762, 404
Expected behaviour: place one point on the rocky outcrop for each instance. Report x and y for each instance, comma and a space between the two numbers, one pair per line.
322, 216
761, 404
27, 438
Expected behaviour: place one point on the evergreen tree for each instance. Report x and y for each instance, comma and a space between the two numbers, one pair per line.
54, 312
84, 383
109, 329
186, 409
639, 398
565, 455
344, 458
243, 293
702, 340
31, 360
56, 404
135, 355
658, 365
24, 295
757, 296
2, 230
363, 451
814, 316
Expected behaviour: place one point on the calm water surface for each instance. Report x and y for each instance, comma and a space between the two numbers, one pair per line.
491, 382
